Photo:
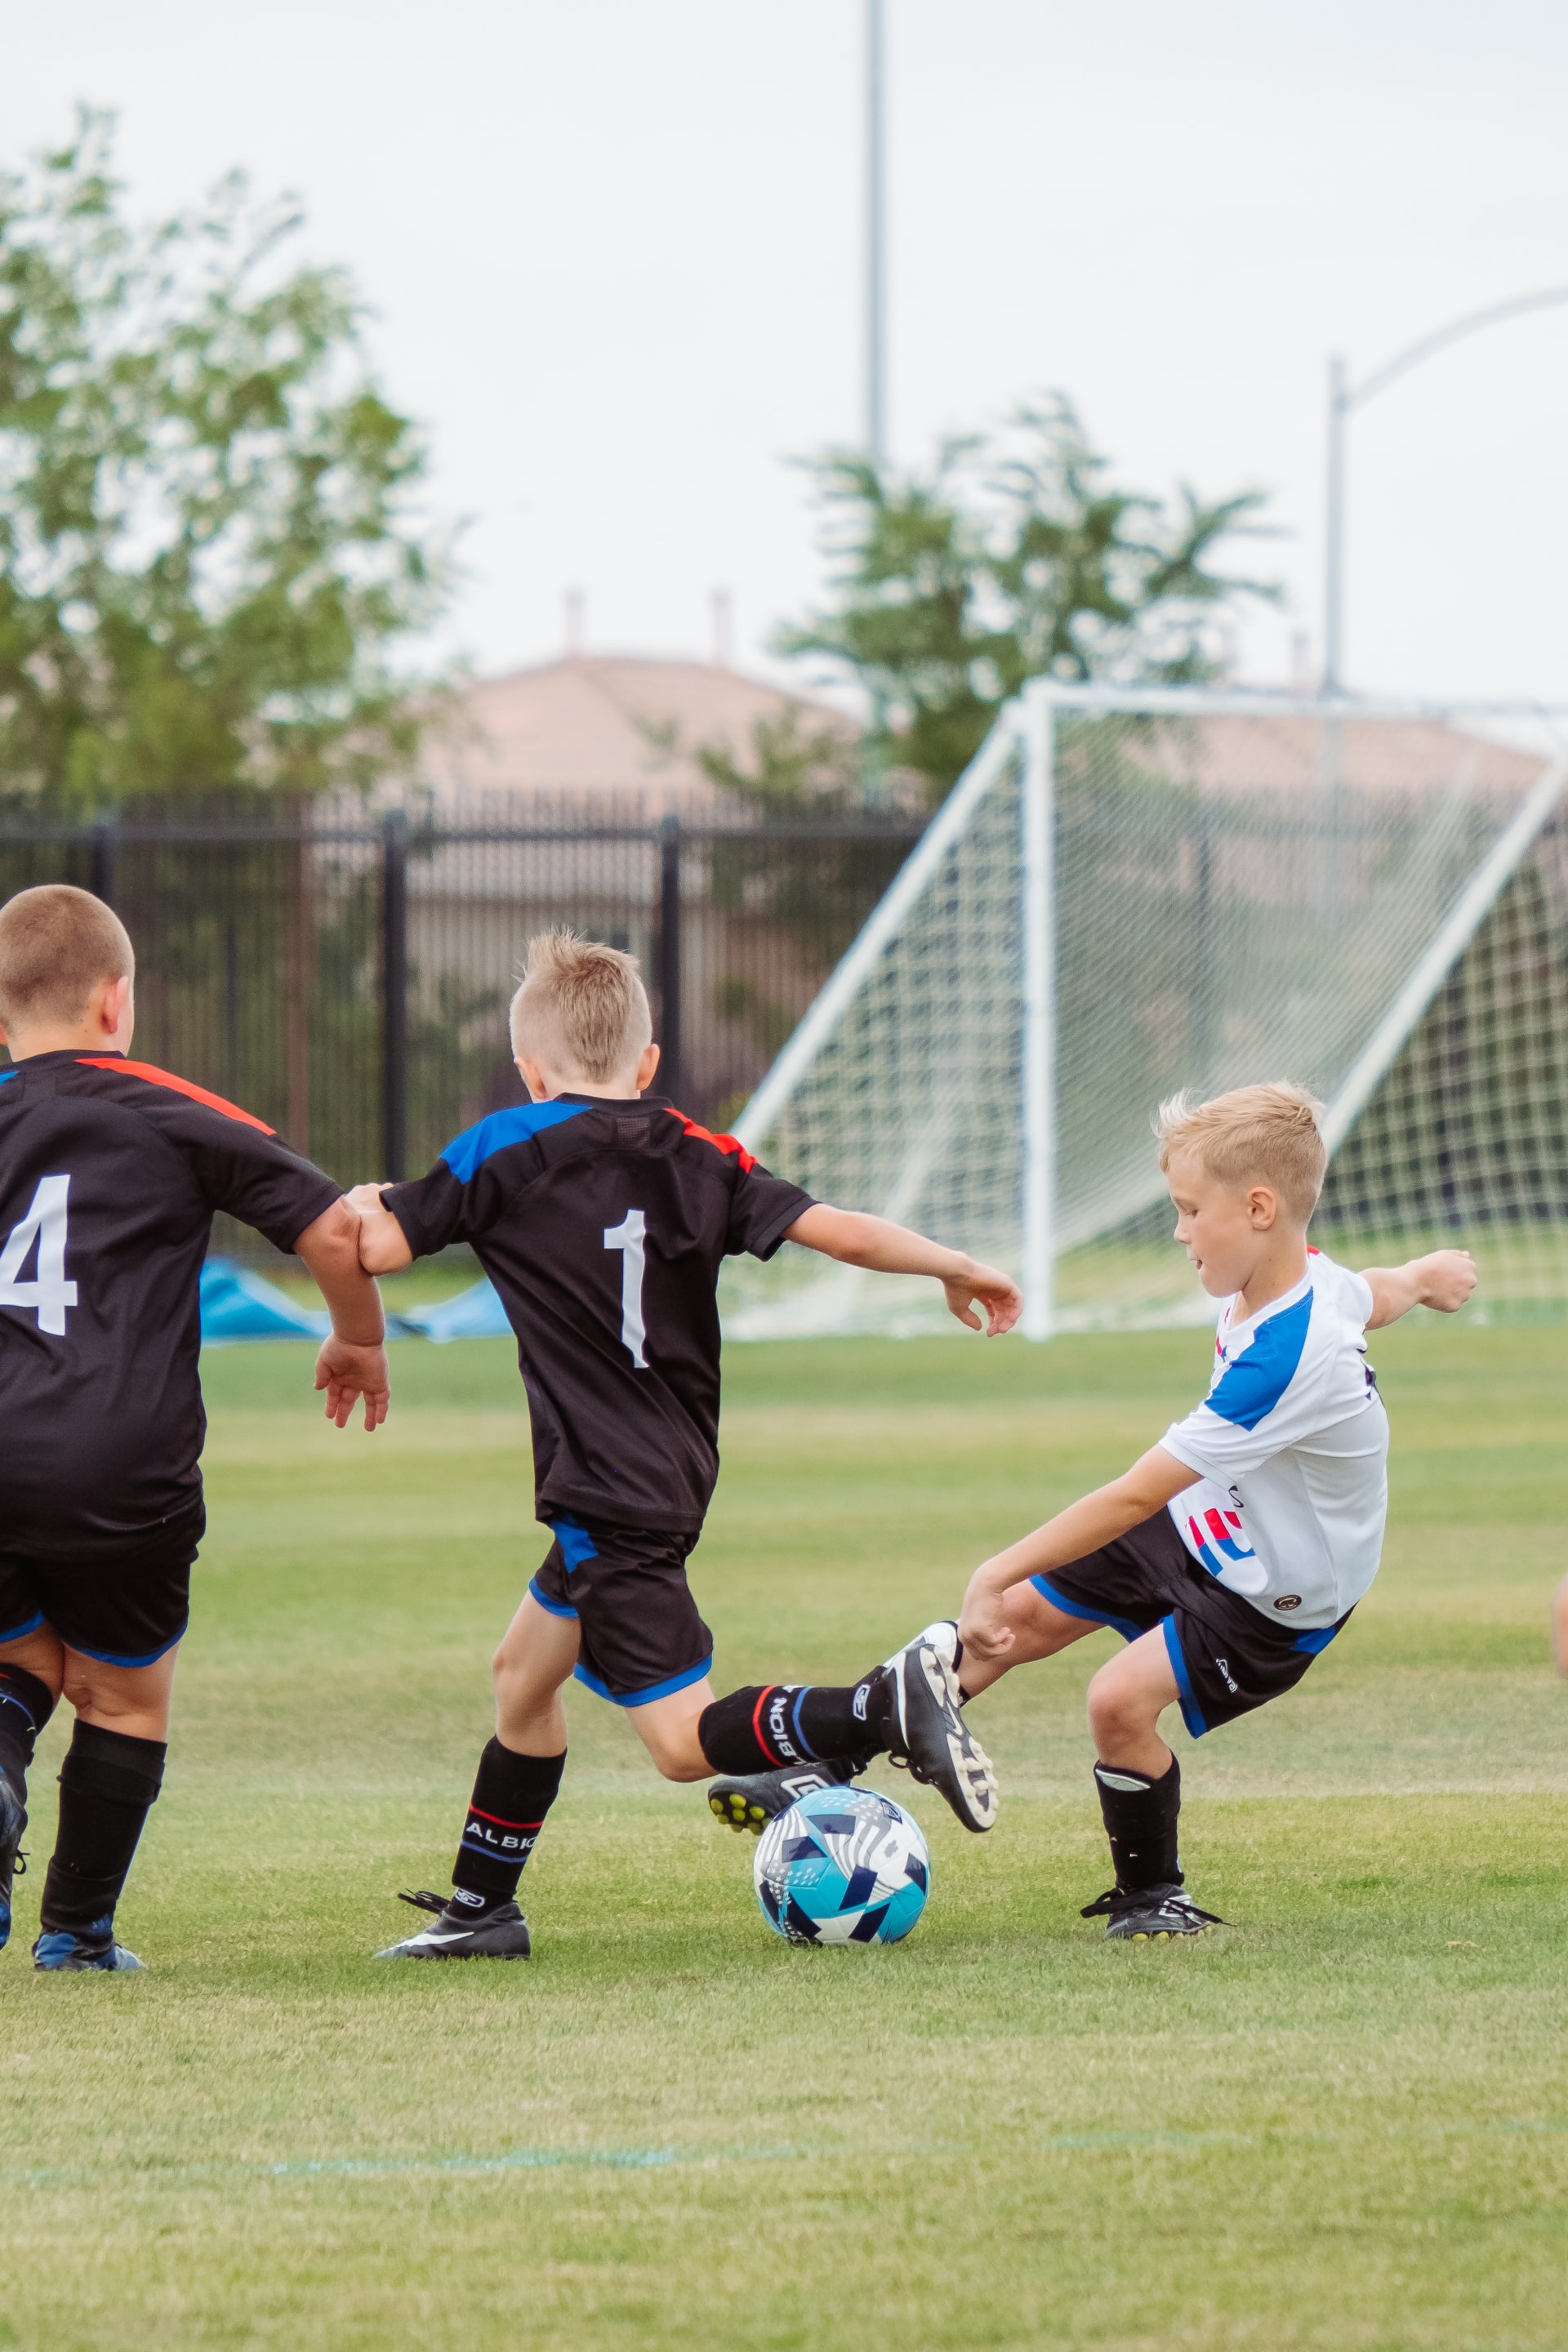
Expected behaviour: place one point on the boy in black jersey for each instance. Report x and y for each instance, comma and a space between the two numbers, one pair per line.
109, 1173
603, 1216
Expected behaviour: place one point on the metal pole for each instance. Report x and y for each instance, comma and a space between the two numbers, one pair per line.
670, 1079
1038, 911
1334, 533
394, 997
101, 871
876, 279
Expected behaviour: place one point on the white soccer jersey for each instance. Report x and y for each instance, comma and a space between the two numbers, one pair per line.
1292, 1448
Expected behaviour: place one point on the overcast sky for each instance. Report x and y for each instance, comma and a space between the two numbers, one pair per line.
613, 253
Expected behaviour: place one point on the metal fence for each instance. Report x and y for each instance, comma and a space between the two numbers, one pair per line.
348, 981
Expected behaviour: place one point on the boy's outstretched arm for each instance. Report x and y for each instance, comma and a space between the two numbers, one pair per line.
1098, 1519
352, 1360
859, 1240
383, 1244
1443, 1279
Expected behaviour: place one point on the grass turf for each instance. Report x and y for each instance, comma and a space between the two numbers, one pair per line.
1341, 2122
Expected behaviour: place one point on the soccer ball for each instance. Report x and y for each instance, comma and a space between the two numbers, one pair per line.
842, 1866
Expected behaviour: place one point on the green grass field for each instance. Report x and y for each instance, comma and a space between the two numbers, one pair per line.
1340, 2122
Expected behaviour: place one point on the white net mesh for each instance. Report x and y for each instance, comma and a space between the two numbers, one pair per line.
1376, 904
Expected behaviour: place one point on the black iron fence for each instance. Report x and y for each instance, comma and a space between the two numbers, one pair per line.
349, 980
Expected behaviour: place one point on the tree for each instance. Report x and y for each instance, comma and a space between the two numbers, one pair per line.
1011, 559
208, 555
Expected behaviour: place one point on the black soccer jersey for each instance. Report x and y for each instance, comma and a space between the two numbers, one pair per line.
603, 1226
109, 1173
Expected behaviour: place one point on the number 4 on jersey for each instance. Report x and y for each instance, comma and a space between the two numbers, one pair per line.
50, 1294
629, 1236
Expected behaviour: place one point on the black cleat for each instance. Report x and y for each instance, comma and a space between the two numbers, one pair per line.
12, 1821
456, 1934
750, 1801
929, 1734
1150, 1914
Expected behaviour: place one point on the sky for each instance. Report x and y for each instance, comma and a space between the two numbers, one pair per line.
613, 258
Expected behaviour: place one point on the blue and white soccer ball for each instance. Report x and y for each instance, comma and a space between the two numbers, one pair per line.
842, 1866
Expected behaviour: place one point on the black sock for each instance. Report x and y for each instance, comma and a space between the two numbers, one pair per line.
107, 1783
1140, 1817
771, 1724
512, 1793
26, 1705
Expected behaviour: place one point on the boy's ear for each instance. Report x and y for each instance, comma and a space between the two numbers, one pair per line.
1263, 1208
533, 1078
648, 1069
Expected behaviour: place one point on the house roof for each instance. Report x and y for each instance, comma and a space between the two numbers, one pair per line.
601, 727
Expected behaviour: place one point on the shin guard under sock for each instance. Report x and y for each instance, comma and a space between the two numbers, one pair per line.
1139, 1816
512, 1793
26, 1705
107, 1783
773, 1724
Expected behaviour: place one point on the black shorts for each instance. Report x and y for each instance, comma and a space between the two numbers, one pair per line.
1225, 1656
641, 1637
127, 1611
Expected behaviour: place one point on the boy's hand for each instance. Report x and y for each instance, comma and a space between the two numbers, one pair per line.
349, 1371
364, 1199
1448, 1277
997, 1293
982, 1626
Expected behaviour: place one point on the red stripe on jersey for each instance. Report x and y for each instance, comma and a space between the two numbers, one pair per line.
726, 1144
156, 1077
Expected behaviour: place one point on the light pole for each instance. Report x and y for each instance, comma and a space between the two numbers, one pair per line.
876, 259
1344, 396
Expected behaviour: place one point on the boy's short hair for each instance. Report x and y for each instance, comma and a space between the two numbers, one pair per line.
1254, 1135
580, 1007
56, 944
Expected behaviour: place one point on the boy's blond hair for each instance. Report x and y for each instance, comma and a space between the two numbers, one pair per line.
56, 944
1254, 1135
582, 1009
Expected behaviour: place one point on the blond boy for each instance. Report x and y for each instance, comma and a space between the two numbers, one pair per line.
110, 1172
1231, 1553
603, 1215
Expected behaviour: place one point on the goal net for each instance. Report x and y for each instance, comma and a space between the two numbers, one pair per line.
1129, 893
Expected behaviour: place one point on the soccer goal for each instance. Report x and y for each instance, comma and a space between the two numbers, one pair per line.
1130, 892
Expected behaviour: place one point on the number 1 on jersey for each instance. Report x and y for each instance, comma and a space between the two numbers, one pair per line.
630, 1237
50, 1294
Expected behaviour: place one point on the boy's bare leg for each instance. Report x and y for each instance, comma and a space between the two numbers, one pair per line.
667, 1729
533, 1664
132, 1700
112, 1775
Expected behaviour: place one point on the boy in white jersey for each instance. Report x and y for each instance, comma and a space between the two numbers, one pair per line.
1234, 1550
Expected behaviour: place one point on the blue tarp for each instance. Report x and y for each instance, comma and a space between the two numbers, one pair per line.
239, 1305
475, 1314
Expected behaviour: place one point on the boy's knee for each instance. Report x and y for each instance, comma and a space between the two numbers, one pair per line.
1113, 1707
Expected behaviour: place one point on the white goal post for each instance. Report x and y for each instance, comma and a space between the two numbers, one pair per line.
1130, 891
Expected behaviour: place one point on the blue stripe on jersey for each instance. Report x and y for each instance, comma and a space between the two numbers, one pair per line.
1249, 1389
470, 1150
1318, 1639
12, 1073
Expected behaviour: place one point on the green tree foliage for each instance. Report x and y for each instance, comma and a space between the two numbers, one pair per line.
207, 549
1012, 559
